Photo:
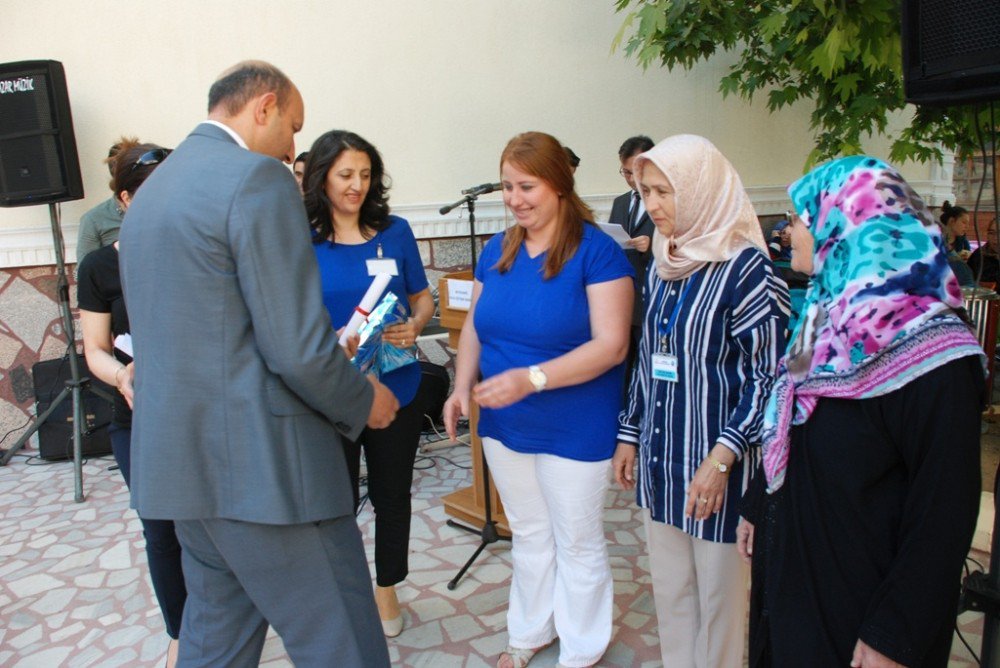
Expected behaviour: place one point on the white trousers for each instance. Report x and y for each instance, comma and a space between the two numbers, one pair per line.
700, 590
562, 577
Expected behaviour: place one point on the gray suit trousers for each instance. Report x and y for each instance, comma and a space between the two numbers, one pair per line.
310, 581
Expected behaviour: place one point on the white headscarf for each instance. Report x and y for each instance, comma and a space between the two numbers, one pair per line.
714, 219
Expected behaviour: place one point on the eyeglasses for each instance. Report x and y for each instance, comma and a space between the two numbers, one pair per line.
627, 173
153, 157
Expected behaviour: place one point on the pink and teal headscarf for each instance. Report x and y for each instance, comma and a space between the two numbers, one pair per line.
882, 305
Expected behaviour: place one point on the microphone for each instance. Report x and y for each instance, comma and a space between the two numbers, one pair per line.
482, 189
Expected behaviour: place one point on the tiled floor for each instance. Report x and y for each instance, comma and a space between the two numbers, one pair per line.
74, 589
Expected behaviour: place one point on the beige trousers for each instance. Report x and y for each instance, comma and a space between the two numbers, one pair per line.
700, 590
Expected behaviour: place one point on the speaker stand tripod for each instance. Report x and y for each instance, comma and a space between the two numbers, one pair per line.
488, 534
76, 384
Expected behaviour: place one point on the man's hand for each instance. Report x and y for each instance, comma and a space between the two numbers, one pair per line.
350, 346
384, 406
640, 243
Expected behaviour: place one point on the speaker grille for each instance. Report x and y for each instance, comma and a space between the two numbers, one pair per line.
950, 28
38, 161
29, 111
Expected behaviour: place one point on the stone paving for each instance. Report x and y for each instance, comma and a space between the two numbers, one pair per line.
74, 588
75, 591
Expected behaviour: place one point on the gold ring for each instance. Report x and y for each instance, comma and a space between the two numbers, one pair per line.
703, 500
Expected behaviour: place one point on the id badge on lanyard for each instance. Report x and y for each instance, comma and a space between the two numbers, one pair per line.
665, 366
382, 265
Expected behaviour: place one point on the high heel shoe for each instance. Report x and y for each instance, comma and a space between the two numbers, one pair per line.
392, 627
388, 611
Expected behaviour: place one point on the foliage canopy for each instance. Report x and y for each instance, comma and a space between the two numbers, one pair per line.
842, 55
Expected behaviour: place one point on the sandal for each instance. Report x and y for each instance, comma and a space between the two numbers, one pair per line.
518, 656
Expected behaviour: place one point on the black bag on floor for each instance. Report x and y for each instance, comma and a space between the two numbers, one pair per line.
55, 437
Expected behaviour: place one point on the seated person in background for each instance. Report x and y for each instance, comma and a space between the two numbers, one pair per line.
954, 225
955, 221
986, 257
780, 243
99, 226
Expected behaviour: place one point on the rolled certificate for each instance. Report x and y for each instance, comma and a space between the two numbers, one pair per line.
361, 311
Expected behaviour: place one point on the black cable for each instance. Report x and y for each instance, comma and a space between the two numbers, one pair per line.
993, 148
982, 184
48, 393
17, 428
975, 657
450, 461
423, 458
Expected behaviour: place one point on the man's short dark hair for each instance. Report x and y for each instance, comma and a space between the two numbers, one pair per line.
245, 81
301, 157
633, 145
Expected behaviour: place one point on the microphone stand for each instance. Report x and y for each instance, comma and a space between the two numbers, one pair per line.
488, 533
469, 199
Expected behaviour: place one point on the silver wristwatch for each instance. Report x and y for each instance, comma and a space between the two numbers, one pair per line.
537, 377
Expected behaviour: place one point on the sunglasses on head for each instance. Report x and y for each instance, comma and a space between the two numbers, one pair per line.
153, 157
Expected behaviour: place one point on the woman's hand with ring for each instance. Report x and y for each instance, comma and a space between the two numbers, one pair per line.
707, 491
402, 334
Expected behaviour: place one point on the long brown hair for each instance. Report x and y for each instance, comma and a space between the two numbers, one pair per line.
542, 156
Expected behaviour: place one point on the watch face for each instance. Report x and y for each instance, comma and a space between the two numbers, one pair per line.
537, 378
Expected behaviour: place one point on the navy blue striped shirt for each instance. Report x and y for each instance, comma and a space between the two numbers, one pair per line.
728, 336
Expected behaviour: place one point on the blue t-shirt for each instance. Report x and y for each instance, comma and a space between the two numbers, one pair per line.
344, 274
522, 319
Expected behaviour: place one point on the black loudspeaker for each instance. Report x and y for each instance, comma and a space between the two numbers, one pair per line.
951, 51
434, 385
55, 436
38, 159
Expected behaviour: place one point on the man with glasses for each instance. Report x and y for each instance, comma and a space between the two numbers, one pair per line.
628, 211
242, 394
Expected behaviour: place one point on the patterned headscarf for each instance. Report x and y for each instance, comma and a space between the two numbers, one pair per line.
714, 219
881, 307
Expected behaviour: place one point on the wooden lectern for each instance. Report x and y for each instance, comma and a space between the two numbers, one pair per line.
469, 503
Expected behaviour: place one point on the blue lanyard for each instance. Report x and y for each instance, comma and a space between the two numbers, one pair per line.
665, 330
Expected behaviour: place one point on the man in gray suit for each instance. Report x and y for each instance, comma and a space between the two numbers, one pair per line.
242, 394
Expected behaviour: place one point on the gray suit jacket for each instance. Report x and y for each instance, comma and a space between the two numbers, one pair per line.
241, 392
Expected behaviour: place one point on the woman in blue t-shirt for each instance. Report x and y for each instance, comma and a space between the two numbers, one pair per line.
346, 197
548, 331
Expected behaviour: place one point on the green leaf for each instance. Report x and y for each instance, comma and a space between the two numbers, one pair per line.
620, 35
771, 25
846, 85
846, 64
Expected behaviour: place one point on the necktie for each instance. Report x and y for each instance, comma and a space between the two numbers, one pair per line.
633, 214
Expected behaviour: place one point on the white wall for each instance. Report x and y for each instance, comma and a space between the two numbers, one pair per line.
438, 85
